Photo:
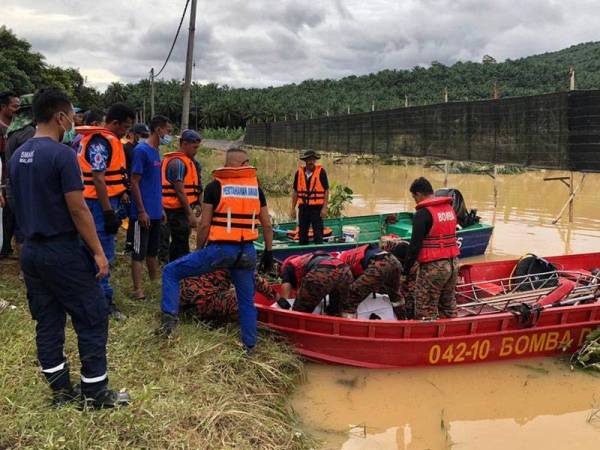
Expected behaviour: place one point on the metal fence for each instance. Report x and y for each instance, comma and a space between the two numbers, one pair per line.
559, 131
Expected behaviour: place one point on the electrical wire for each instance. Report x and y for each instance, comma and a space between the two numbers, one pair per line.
174, 40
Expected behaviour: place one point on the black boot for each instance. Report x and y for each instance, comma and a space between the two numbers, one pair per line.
62, 397
106, 399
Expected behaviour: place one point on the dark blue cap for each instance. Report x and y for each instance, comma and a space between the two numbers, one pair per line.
190, 136
141, 129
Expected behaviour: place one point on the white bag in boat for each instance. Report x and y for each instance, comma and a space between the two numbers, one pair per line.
379, 305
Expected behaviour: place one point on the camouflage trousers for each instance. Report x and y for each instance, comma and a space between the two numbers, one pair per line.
382, 276
432, 289
324, 279
212, 295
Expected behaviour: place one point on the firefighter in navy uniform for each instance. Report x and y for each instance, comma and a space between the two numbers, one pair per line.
102, 162
375, 271
315, 275
433, 247
310, 194
233, 204
62, 257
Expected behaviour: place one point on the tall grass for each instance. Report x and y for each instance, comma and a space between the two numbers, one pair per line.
194, 391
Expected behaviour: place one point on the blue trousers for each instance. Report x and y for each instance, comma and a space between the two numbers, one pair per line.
239, 259
106, 240
60, 280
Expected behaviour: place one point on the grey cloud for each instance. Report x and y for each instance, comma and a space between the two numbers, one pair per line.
259, 42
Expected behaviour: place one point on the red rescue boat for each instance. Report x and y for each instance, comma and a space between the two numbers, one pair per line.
498, 320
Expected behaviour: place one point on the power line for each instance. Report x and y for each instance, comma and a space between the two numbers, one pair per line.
174, 40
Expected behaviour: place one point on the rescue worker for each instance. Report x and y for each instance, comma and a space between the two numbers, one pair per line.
310, 194
313, 276
375, 271
9, 105
62, 257
433, 245
232, 203
181, 188
212, 295
102, 162
21, 129
92, 118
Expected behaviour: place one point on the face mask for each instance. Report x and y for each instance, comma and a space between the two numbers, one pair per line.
142, 140
69, 134
166, 139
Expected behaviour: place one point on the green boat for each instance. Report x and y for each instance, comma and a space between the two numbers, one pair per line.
472, 240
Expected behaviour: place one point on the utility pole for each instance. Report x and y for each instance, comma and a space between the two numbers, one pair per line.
152, 92
185, 113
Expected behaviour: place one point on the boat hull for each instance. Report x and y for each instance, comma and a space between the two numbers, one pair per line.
473, 240
466, 340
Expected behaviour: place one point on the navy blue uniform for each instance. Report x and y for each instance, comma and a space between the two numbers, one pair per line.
59, 269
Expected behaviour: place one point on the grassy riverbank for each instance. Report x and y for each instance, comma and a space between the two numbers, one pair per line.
194, 391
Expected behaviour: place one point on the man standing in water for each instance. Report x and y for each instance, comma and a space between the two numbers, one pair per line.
310, 194
434, 247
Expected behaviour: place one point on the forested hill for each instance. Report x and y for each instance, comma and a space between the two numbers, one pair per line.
214, 105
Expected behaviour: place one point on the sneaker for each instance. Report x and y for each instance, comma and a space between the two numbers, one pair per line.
62, 397
107, 399
249, 352
117, 315
168, 323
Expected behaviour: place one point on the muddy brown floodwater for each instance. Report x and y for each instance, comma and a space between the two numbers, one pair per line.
525, 404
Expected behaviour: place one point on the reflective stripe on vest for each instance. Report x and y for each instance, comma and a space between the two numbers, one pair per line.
354, 258
115, 175
235, 217
440, 242
314, 194
191, 182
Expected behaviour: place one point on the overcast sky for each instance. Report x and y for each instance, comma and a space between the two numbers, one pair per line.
262, 43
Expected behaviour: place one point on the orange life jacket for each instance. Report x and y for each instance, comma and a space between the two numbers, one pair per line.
191, 182
314, 193
115, 175
235, 217
440, 242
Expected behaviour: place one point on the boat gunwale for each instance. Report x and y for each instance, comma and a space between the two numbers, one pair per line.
499, 317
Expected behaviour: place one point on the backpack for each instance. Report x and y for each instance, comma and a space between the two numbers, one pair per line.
532, 272
464, 217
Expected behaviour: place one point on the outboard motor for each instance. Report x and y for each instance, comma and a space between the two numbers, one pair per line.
464, 217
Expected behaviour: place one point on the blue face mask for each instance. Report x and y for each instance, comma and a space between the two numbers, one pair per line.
166, 139
69, 134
